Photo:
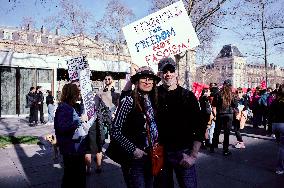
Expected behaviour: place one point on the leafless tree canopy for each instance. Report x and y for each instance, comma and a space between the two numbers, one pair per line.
261, 24
71, 17
115, 17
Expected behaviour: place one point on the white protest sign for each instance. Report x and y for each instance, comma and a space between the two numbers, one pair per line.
74, 66
87, 94
162, 34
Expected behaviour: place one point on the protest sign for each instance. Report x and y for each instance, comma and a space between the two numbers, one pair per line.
78, 68
75, 65
162, 34
87, 93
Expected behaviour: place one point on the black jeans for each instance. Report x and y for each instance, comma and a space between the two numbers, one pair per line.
236, 124
223, 121
33, 115
40, 108
74, 171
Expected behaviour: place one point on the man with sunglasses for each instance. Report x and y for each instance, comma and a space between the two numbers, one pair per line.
110, 97
180, 128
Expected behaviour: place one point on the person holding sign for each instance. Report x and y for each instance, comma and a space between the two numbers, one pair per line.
135, 129
66, 121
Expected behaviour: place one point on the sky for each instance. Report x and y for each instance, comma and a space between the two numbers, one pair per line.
12, 16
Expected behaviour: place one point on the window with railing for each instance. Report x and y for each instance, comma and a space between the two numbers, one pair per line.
15, 36
30, 38
44, 39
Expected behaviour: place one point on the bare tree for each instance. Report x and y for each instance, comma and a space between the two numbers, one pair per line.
73, 20
262, 25
110, 25
71, 17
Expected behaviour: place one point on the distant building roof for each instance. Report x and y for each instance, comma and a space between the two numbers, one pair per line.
229, 51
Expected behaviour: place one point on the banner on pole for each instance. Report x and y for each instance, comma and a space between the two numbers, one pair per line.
164, 33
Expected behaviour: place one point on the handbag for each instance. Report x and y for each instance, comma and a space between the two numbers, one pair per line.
157, 158
156, 154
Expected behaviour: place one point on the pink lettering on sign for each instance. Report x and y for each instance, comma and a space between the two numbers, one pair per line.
165, 49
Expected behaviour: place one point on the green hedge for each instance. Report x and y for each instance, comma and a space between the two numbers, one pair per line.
6, 140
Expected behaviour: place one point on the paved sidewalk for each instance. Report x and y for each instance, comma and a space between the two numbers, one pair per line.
32, 165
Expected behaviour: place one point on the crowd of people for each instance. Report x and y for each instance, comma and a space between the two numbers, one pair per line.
154, 111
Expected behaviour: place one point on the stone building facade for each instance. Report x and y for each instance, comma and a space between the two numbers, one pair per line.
231, 64
31, 57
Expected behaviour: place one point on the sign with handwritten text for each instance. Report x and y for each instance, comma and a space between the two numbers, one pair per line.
74, 66
87, 93
162, 34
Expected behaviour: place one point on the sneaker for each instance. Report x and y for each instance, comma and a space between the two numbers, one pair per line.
240, 145
227, 153
279, 172
273, 136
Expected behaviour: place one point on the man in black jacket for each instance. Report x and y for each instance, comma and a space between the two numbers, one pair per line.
40, 98
31, 103
180, 128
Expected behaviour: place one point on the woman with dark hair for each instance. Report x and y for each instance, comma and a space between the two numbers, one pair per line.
240, 117
207, 116
66, 121
134, 122
224, 105
277, 119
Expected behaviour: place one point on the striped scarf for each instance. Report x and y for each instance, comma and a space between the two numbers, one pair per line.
150, 121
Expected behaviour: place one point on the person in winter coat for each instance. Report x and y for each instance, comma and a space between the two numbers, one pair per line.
66, 121
50, 107
277, 119
224, 105
135, 116
32, 104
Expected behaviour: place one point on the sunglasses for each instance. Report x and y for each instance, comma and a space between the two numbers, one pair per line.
171, 69
108, 79
147, 80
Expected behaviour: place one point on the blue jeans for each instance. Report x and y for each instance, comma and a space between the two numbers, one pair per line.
211, 132
50, 109
279, 128
186, 177
138, 173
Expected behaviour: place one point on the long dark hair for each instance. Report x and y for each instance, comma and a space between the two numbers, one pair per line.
227, 96
138, 100
70, 94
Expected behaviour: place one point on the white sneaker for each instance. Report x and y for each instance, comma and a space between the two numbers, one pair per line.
240, 145
279, 172
273, 136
